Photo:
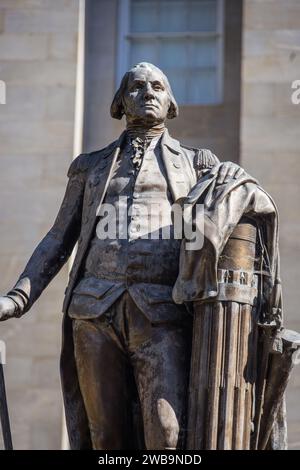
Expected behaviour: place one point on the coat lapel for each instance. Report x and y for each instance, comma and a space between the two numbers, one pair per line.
101, 175
176, 167
177, 172
97, 185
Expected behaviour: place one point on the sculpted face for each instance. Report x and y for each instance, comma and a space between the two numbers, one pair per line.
146, 99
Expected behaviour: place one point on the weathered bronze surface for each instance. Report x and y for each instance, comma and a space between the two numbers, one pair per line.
224, 368
140, 308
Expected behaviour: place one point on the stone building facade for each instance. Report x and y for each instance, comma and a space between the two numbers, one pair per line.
38, 53
255, 123
270, 144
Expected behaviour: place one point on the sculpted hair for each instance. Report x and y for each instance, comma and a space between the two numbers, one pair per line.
117, 108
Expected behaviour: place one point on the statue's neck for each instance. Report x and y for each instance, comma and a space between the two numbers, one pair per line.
135, 130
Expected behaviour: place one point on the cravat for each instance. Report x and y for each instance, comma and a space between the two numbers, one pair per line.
139, 146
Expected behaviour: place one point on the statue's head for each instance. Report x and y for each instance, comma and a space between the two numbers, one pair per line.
144, 96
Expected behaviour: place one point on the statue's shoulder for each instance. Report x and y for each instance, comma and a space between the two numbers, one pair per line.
200, 158
86, 161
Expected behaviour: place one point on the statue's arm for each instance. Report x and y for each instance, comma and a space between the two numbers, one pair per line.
54, 249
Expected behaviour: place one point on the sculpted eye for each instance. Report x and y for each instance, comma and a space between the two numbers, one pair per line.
137, 86
157, 87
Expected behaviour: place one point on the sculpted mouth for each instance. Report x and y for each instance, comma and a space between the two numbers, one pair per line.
150, 105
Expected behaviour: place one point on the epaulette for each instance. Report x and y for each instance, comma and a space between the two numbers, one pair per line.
204, 158
188, 147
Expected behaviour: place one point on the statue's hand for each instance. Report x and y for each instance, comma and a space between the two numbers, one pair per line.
228, 171
8, 308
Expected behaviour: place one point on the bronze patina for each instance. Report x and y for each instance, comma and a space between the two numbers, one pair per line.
140, 308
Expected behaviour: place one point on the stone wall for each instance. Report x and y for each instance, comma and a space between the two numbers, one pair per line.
38, 64
38, 40
270, 142
215, 127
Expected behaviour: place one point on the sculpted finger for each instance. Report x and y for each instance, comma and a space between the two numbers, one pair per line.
214, 170
239, 172
222, 175
230, 174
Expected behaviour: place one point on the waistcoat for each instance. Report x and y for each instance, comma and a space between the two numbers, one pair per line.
137, 216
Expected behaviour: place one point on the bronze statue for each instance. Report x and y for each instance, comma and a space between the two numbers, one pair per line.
131, 297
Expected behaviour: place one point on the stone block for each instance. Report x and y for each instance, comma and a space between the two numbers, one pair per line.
46, 418
38, 64
18, 371
290, 276
258, 99
269, 100
40, 4
18, 176
2, 13
271, 14
41, 21
60, 103
63, 46
279, 134
270, 42
257, 43
50, 165
35, 340
36, 410
11, 266
24, 102
295, 379
48, 310
45, 372
287, 198
45, 73
283, 67
274, 167
23, 242
292, 394
23, 46
51, 301
283, 101
21, 435
29, 137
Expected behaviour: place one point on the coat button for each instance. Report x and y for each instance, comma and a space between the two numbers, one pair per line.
176, 165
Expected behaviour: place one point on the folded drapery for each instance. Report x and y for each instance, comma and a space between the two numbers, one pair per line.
223, 208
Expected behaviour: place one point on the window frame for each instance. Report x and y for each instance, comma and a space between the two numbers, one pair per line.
124, 36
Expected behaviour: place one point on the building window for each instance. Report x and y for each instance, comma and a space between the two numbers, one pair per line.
182, 37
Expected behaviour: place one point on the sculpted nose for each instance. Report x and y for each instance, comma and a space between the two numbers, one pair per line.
148, 92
